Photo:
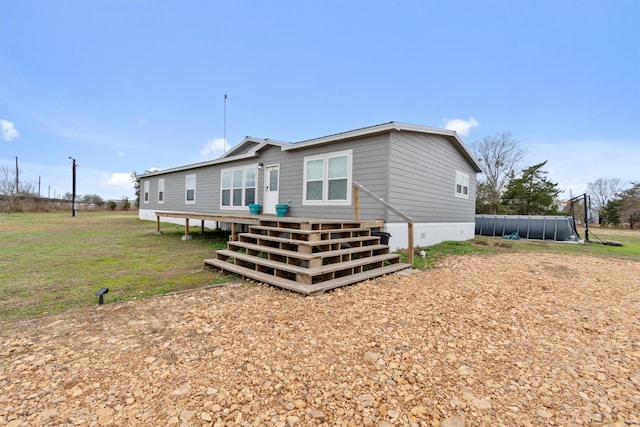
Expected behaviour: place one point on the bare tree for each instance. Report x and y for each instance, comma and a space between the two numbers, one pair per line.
499, 156
8, 184
603, 190
7, 181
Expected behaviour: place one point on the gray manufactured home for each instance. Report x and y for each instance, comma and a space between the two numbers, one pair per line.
424, 173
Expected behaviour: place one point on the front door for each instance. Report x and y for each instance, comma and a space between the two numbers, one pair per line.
271, 188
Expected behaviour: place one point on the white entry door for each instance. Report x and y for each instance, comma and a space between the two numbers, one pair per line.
271, 188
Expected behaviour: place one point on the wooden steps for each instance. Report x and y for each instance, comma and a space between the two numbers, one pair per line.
307, 256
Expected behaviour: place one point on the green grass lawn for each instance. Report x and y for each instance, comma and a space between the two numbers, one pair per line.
51, 262
630, 240
630, 248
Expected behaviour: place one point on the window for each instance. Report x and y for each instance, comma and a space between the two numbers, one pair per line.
273, 178
238, 187
146, 191
190, 186
249, 186
327, 179
161, 190
462, 185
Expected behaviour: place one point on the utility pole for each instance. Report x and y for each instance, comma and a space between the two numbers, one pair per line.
586, 217
17, 176
73, 188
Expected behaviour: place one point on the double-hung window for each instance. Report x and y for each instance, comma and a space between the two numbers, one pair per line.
190, 189
327, 179
462, 185
146, 192
238, 187
161, 190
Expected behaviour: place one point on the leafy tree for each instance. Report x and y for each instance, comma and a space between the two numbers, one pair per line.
610, 213
483, 193
532, 193
499, 155
630, 205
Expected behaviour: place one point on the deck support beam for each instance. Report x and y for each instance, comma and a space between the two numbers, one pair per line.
186, 236
157, 232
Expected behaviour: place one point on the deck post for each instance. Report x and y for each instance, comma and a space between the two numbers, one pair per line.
202, 227
186, 236
356, 202
157, 232
410, 242
233, 232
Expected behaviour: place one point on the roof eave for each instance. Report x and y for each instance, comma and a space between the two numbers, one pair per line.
388, 127
220, 160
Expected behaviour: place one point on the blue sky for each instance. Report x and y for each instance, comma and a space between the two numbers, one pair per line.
139, 84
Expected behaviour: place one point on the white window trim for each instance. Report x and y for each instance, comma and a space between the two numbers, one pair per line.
325, 179
145, 193
161, 189
462, 179
186, 180
244, 175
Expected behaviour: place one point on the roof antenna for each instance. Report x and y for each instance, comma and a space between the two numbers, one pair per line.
225, 123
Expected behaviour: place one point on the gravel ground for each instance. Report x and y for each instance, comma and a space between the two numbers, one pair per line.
516, 339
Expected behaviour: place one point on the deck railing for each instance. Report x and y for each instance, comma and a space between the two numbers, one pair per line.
356, 207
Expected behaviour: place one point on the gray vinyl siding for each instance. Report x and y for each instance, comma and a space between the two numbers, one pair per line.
422, 179
207, 189
413, 171
369, 168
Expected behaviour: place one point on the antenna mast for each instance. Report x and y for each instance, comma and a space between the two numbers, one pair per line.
225, 122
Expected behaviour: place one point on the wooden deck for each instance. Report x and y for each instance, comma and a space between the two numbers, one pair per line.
236, 219
305, 255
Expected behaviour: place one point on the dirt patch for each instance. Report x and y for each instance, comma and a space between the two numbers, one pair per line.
517, 339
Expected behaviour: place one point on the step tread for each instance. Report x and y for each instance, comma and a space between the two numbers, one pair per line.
312, 242
303, 288
277, 251
301, 255
301, 231
359, 277
313, 271
260, 276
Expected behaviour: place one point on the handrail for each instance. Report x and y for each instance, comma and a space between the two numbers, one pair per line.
407, 218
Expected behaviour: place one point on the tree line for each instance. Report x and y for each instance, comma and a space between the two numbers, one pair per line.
507, 188
11, 186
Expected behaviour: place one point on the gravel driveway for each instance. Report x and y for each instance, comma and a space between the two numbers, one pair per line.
510, 339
